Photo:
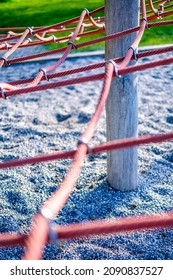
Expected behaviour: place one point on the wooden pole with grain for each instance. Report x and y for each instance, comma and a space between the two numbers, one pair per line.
122, 104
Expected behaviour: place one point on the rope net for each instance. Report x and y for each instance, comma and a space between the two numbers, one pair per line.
86, 24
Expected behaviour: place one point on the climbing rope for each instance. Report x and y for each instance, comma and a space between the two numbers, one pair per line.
42, 230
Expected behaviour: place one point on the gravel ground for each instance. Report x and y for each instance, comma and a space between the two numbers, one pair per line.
52, 120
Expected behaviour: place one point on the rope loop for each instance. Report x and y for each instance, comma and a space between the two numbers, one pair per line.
134, 53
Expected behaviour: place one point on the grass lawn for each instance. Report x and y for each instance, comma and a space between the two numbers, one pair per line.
41, 13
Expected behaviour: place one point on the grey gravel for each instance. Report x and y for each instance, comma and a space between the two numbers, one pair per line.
51, 120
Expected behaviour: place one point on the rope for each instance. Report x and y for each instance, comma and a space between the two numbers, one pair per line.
136, 42
55, 203
41, 232
126, 70
92, 66
112, 145
8, 53
161, 15
156, 13
155, 2
41, 72
160, 11
118, 226
71, 45
88, 43
52, 38
58, 25
87, 229
45, 40
61, 28
162, 4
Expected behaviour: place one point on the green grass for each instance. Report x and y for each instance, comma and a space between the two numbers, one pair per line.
41, 13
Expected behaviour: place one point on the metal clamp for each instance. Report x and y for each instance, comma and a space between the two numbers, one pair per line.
161, 8
6, 45
30, 40
5, 60
73, 45
87, 12
158, 14
134, 53
54, 39
146, 22
91, 154
30, 30
84, 141
3, 93
45, 74
115, 68
47, 214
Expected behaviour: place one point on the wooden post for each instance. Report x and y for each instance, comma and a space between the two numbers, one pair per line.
122, 104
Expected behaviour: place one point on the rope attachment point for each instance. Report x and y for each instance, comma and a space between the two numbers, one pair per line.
115, 68
146, 22
87, 12
3, 93
44, 73
47, 214
5, 60
6, 46
134, 53
84, 141
30, 40
30, 30
73, 45
54, 39
159, 14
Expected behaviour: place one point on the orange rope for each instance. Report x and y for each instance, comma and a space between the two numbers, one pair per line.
8, 53
55, 203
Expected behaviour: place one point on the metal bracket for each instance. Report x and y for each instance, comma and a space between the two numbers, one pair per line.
3, 93
46, 213
87, 12
5, 60
45, 74
73, 45
30, 30
134, 53
115, 68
